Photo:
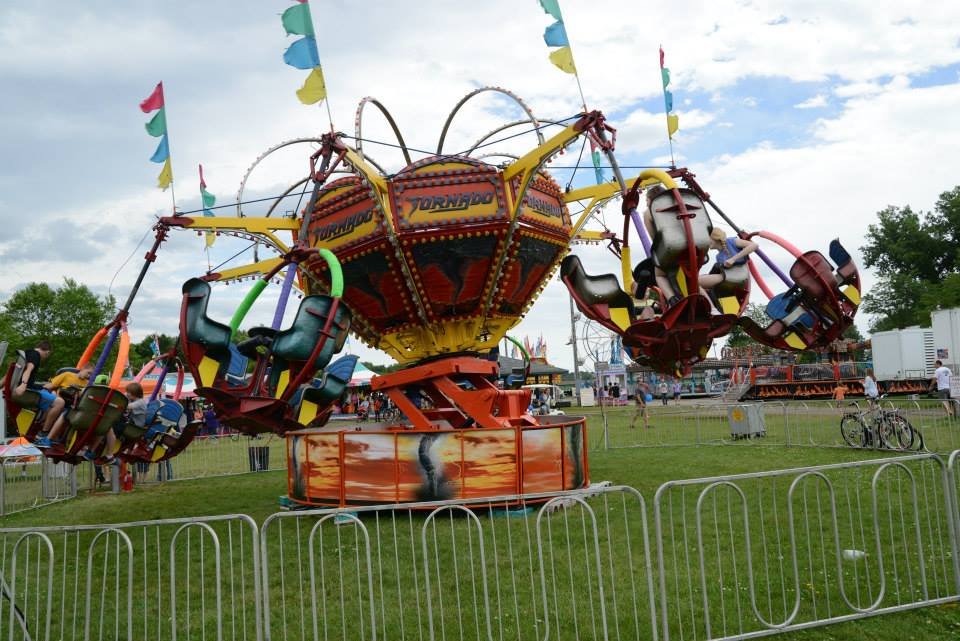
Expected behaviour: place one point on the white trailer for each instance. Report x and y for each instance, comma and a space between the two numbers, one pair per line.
946, 337
903, 353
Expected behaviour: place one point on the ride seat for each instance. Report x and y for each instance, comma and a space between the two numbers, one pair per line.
846, 270
88, 407
322, 392
162, 416
786, 308
813, 273
736, 278
199, 328
30, 399
670, 238
237, 369
297, 342
594, 291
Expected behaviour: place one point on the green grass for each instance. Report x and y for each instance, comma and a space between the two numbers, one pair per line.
645, 469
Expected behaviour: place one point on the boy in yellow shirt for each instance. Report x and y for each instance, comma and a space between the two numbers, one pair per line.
61, 383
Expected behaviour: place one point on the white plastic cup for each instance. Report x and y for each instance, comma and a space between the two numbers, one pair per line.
854, 555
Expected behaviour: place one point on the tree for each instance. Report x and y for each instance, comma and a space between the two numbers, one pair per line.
67, 316
917, 259
737, 337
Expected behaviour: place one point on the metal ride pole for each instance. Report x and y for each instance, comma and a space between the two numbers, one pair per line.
3, 408
576, 357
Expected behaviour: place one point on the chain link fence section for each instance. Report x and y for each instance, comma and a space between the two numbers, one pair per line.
757, 554
569, 565
171, 579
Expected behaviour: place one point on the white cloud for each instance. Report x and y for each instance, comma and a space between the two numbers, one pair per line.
749, 101
815, 102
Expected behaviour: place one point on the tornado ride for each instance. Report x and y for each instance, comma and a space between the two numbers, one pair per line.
434, 264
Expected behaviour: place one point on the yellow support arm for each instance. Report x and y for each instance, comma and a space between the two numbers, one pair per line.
362, 166
608, 190
253, 269
533, 158
260, 226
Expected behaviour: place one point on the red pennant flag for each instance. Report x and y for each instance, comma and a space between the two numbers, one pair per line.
661, 57
154, 102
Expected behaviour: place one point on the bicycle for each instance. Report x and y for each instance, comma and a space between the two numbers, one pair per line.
880, 429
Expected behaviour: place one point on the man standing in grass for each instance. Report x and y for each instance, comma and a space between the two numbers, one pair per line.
941, 380
640, 406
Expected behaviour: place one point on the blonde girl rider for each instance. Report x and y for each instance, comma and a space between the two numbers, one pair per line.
730, 253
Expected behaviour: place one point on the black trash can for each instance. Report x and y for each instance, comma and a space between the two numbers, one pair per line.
259, 458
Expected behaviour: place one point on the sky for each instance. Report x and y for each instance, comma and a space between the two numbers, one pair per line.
804, 118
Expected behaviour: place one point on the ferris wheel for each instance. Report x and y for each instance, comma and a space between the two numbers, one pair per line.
601, 345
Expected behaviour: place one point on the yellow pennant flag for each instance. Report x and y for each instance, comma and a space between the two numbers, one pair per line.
563, 59
166, 176
314, 89
673, 123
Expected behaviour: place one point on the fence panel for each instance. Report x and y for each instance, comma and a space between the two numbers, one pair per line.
205, 457
170, 579
684, 424
571, 565
25, 485
817, 423
756, 554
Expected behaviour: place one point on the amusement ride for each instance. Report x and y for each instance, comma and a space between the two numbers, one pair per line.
434, 264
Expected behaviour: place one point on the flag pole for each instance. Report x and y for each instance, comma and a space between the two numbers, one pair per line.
666, 112
203, 206
173, 195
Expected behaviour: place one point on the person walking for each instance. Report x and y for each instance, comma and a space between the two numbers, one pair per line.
941, 381
677, 388
640, 406
664, 391
870, 389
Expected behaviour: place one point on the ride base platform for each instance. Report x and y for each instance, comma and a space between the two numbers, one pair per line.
471, 441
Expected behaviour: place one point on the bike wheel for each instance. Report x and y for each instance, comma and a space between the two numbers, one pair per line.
902, 432
886, 434
852, 430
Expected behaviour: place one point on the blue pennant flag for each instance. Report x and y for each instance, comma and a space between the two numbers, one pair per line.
303, 53
556, 35
668, 100
162, 152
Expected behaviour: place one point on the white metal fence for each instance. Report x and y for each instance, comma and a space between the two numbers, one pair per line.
788, 423
28, 484
728, 557
205, 457
573, 565
169, 579
755, 554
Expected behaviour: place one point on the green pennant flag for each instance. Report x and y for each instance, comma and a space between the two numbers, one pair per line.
552, 7
665, 76
209, 200
158, 124
296, 20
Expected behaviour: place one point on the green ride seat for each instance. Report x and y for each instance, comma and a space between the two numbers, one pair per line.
91, 400
201, 331
295, 344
